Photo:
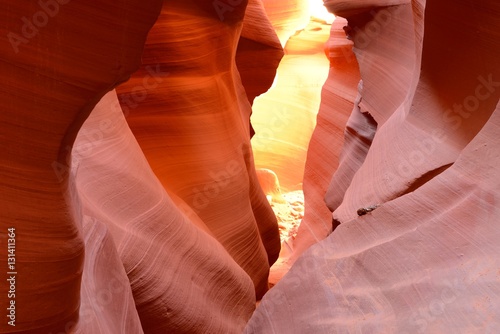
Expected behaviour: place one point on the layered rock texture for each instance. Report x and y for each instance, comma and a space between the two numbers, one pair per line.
158, 225
129, 197
50, 84
324, 151
415, 192
193, 127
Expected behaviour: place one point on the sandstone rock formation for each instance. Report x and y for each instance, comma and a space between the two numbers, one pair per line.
128, 183
259, 51
104, 246
420, 149
193, 127
50, 84
161, 245
337, 102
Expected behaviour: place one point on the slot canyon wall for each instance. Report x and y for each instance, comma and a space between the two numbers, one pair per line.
414, 187
130, 217
128, 181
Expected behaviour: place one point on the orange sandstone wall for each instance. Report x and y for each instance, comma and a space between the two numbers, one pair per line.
167, 231
193, 128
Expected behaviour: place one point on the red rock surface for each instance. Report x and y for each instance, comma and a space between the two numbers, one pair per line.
259, 51
49, 86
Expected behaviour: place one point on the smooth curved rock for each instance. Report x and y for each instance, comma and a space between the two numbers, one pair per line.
323, 154
107, 304
270, 184
416, 249
191, 121
182, 279
420, 147
50, 84
259, 51
425, 262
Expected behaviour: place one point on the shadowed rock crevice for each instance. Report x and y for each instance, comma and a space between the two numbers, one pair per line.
427, 177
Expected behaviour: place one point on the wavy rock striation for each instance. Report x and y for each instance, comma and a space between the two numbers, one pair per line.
416, 191
192, 125
105, 243
182, 279
259, 51
50, 84
323, 154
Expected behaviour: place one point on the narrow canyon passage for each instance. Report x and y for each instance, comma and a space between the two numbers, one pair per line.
284, 118
250, 166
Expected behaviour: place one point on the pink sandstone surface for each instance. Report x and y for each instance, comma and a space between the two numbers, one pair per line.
323, 153
160, 245
127, 171
419, 159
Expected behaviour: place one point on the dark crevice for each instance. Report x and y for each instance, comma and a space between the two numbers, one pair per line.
411, 188
424, 179
335, 224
